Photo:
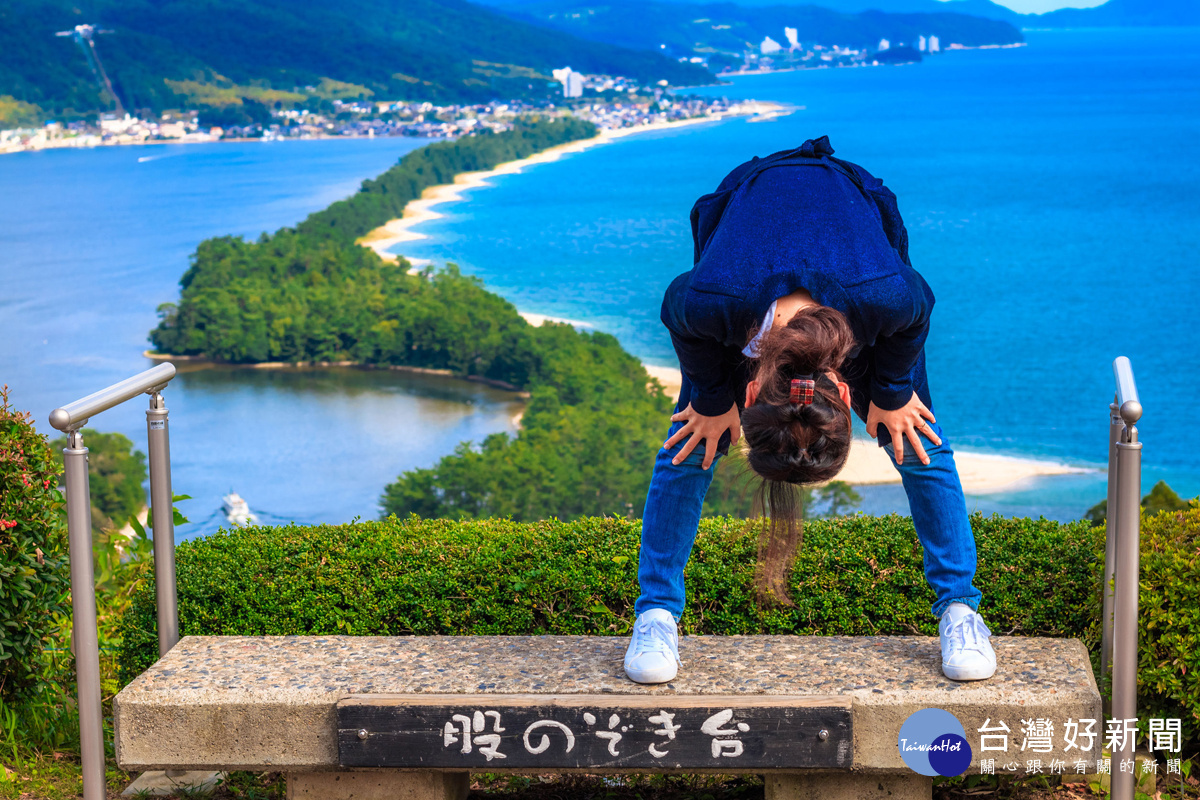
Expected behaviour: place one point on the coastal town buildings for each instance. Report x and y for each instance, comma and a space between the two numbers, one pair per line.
110, 129
611, 102
769, 55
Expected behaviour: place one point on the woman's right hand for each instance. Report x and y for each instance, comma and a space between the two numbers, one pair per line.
698, 428
906, 421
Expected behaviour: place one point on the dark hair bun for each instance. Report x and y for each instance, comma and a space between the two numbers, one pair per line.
800, 443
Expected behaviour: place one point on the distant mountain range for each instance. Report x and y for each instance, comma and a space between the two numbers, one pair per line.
1114, 13
1121, 14
251, 54
164, 54
699, 30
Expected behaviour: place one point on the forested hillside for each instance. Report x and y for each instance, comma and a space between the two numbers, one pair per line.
178, 53
309, 293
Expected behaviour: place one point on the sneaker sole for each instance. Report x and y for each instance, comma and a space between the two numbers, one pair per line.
651, 676
967, 673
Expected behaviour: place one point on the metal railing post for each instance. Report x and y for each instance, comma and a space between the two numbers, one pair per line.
164, 522
1115, 426
1127, 518
84, 633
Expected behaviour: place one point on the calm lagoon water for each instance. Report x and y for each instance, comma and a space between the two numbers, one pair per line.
1048, 194
1047, 190
92, 241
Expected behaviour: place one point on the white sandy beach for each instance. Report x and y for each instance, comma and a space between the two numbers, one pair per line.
398, 231
538, 319
981, 473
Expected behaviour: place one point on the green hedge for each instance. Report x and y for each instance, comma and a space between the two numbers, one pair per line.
858, 575
34, 581
1169, 610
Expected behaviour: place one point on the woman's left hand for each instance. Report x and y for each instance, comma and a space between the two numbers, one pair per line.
906, 421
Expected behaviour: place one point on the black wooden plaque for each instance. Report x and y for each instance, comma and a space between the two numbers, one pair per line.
497, 732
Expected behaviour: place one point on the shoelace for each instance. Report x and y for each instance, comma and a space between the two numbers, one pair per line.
969, 626
655, 636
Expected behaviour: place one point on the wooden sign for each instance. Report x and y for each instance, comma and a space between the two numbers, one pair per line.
495, 732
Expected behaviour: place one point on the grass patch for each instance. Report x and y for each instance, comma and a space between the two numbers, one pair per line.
226, 93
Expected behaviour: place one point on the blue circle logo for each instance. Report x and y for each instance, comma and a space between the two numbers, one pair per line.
933, 742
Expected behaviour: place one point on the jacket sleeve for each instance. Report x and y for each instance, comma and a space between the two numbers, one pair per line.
902, 316
700, 341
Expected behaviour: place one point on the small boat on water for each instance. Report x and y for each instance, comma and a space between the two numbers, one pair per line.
236, 510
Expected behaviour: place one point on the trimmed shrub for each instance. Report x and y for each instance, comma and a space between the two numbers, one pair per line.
856, 575
34, 573
1169, 607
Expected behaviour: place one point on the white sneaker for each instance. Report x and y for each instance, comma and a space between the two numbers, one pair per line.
653, 654
967, 655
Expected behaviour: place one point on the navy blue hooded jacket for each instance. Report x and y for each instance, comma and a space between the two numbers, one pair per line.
799, 219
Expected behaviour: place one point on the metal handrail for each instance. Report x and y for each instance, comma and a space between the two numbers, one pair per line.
73, 415
1127, 394
70, 418
1119, 632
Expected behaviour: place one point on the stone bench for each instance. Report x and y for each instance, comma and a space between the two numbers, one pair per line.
384, 717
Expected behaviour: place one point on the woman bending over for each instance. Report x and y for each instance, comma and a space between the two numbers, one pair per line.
802, 305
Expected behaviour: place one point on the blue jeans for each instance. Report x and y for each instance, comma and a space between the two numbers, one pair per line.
939, 513
935, 496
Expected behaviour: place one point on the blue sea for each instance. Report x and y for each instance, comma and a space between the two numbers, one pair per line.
92, 241
1049, 194
1048, 191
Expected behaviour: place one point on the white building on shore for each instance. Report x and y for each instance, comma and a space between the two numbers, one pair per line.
572, 81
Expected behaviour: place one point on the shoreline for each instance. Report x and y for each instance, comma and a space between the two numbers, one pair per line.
980, 473
398, 231
869, 464
204, 361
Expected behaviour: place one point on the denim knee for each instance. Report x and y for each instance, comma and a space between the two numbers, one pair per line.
910, 453
696, 457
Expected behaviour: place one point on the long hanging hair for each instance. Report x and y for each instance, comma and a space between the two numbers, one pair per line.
791, 444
